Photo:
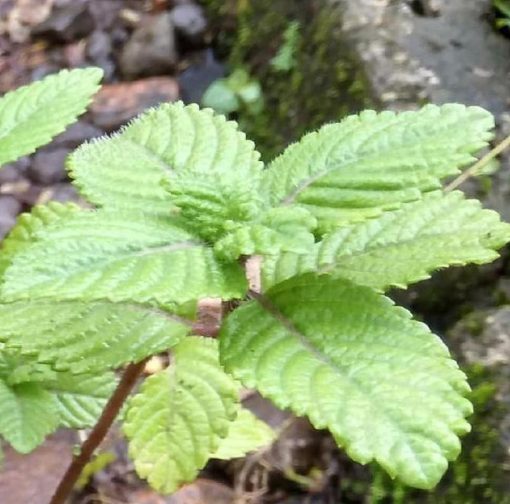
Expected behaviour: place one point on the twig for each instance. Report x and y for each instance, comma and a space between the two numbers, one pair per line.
471, 172
96, 436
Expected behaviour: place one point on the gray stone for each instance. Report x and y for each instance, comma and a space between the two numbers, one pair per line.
71, 21
48, 166
189, 21
151, 49
76, 134
483, 339
10, 207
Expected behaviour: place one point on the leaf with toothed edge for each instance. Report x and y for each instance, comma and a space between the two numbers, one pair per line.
87, 337
401, 247
119, 256
246, 434
126, 170
368, 163
343, 355
175, 423
32, 115
27, 414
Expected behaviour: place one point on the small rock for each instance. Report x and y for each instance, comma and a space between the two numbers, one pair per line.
10, 207
66, 23
99, 52
195, 80
203, 491
62, 193
115, 104
9, 173
48, 166
76, 134
151, 49
189, 22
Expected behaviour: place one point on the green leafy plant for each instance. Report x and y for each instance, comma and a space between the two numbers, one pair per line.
182, 208
503, 9
234, 92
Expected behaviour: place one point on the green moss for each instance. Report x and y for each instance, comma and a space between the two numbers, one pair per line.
324, 83
478, 476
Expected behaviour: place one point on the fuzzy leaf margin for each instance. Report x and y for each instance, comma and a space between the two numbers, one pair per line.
344, 356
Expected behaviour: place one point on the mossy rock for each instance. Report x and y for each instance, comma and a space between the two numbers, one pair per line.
325, 82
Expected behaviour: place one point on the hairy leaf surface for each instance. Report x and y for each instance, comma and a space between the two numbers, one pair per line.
126, 170
353, 363
401, 247
353, 170
86, 337
32, 115
119, 256
246, 434
279, 229
176, 421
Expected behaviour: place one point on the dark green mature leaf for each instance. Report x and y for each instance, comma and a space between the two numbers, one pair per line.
401, 247
341, 354
371, 162
32, 115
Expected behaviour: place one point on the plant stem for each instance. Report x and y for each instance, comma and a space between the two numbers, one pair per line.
471, 172
96, 436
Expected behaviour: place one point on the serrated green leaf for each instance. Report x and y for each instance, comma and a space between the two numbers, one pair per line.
119, 256
27, 414
126, 170
175, 423
353, 170
343, 355
212, 203
278, 230
401, 247
85, 337
32, 115
29, 224
80, 399
246, 434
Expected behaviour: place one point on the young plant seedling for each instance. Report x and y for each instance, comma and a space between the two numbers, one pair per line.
181, 203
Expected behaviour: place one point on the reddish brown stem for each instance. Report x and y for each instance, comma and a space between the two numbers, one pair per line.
110, 412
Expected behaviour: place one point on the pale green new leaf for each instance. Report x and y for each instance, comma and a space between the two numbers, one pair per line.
371, 162
80, 398
27, 414
84, 337
176, 421
212, 203
278, 230
246, 434
126, 170
119, 256
343, 355
401, 247
32, 115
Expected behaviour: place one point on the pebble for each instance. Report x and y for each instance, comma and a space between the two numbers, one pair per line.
71, 21
76, 134
151, 50
189, 22
48, 166
116, 104
195, 80
10, 207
